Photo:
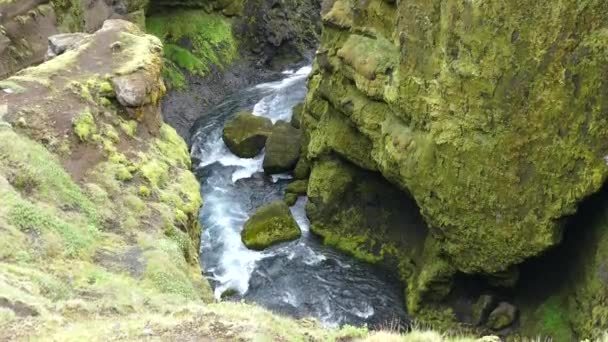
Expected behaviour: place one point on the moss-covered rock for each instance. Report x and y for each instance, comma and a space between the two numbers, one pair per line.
246, 134
440, 95
361, 214
282, 148
294, 190
271, 224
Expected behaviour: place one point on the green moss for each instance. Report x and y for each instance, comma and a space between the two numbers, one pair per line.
155, 172
246, 134
70, 14
77, 238
290, 199
210, 36
433, 279
85, 126
298, 187
271, 224
554, 320
129, 127
464, 93
172, 147
12, 86
173, 76
144, 191
36, 166
166, 277
362, 215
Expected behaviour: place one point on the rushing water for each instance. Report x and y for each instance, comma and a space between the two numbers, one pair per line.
302, 278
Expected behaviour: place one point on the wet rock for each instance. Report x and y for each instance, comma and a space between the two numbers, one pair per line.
482, 308
502, 317
246, 134
60, 43
282, 148
271, 224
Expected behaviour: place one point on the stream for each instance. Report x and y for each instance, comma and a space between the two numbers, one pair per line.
301, 278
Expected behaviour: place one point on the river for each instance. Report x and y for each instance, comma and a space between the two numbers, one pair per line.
301, 278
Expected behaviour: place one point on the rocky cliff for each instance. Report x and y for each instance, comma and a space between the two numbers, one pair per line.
491, 115
25, 25
99, 210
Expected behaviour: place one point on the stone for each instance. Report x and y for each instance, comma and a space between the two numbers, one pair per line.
132, 90
482, 308
271, 224
294, 190
502, 317
246, 134
290, 199
297, 187
282, 148
60, 43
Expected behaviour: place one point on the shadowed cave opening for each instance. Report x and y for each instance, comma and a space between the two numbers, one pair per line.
546, 290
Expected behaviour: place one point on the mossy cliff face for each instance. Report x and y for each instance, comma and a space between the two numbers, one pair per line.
99, 211
25, 26
494, 127
98, 208
490, 114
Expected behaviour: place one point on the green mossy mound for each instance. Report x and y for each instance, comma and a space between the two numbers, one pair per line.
271, 224
246, 134
194, 41
294, 190
282, 148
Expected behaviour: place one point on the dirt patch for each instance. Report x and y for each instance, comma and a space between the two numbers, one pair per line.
131, 261
18, 307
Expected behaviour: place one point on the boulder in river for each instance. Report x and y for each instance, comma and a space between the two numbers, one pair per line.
282, 148
271, 224
246, 134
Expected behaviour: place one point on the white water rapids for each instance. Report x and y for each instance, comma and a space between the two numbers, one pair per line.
301, 278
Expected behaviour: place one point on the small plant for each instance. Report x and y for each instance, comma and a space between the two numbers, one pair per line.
84, 126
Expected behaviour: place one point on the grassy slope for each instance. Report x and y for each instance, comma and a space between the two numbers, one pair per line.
194, 41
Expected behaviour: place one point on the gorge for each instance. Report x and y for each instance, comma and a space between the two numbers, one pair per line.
449, 171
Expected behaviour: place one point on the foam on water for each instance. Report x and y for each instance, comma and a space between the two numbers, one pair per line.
285, 95
301, 278
236, 262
